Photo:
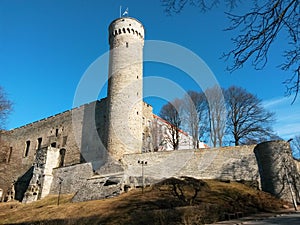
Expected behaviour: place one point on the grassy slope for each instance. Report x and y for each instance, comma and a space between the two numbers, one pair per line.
158, 205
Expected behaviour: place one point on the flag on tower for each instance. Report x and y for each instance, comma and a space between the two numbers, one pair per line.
125, 12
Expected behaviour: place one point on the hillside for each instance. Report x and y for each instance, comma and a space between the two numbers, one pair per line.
172, 201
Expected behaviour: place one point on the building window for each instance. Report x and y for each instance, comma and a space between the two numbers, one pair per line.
27, 148
53, 144
126, 44
39, 143
56, 132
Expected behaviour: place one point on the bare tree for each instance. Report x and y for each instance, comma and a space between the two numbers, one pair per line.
260, 27
195, 115
170, 113
176, 6
248, 121
5, 108
217, 115
257, 31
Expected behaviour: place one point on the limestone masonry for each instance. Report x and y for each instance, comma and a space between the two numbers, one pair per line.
109, 146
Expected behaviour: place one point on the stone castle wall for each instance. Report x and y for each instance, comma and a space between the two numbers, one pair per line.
228, 163
23, 143
233, 163
68, 131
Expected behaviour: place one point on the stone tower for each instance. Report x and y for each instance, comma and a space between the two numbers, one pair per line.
277, 169
125, 87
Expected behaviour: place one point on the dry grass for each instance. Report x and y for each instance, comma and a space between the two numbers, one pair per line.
158, 205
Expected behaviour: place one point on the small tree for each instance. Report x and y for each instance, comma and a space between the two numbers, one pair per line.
170, 113
248, 121
5, 108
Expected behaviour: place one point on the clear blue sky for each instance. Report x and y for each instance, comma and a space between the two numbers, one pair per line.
46, 46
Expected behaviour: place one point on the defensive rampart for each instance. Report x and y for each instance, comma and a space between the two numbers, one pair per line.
228, 163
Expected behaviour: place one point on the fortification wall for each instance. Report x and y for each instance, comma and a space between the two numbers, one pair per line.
229, 163
62, 131
233, 163
94, 133
72, 178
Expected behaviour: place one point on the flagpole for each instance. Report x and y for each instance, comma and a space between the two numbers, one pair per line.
120, 10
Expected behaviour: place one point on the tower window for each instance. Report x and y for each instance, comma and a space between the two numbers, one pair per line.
27, 148
124, 31
39, 143
126, 44
56, 132
128, 30
120, 31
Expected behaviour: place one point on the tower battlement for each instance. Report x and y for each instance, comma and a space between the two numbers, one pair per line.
125, 26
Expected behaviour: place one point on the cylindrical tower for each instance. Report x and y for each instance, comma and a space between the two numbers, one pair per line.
277, 169
125, 87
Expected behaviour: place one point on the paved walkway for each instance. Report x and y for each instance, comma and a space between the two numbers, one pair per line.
289, 217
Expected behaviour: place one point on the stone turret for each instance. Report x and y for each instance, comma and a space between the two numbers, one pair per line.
125, 87
278, 171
